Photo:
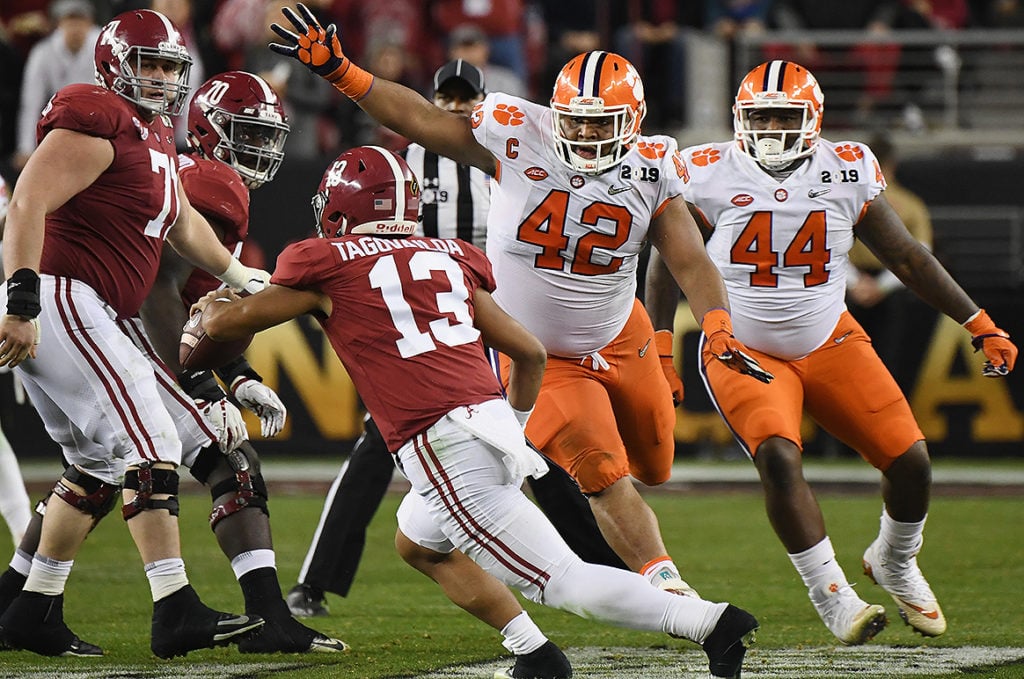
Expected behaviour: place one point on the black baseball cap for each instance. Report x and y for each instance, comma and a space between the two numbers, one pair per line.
463, 70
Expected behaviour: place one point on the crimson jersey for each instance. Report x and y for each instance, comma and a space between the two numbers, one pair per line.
110, 235
218, 193
402, 322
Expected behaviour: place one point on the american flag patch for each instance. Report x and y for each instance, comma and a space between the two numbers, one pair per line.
382, 204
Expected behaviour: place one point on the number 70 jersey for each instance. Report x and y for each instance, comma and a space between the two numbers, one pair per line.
565, 245
782, 246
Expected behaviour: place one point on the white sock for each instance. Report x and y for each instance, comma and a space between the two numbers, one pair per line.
818, 567
21, 562
522, 635
166, 577
251, 560
903, 540
48, 576
626, 599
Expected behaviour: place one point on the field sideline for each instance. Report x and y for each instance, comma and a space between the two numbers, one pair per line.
400, 625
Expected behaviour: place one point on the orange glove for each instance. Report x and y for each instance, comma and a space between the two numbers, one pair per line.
663, 343
720, 344
319, 50
995, 343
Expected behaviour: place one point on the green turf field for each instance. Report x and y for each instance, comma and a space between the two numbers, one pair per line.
400, 625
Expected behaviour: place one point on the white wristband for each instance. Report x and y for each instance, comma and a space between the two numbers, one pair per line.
236, 275
522, 416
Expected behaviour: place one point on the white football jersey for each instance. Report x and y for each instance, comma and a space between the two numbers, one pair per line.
782, 245
564, 245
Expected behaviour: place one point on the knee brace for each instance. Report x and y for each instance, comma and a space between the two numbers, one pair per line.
246, 484
146, 481
98, 500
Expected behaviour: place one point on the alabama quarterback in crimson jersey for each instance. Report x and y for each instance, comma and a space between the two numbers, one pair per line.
577, 193
409, 316
783, 207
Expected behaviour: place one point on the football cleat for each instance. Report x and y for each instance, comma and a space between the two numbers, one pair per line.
906, 585
183, 623
290, 636
677, 585
727, 644
307, 601
846, 615
35, 622
547, 662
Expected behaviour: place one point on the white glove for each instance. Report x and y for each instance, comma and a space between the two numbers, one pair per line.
263, 401
240, 277
227, 421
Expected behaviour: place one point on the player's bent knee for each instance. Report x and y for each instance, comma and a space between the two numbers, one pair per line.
147, 481
599, 470
99, 498
422, 559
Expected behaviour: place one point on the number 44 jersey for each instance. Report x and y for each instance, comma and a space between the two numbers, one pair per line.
565, 245
782, 244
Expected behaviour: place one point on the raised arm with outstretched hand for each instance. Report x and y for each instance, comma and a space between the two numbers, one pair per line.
392, 105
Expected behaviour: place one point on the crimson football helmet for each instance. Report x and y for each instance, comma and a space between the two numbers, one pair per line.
123, 45
778, 84
596, 85
238, 119
367, 190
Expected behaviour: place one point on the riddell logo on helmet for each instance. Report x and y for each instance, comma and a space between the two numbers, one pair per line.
390, 227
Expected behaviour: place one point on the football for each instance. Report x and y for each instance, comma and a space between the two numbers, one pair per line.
198, 352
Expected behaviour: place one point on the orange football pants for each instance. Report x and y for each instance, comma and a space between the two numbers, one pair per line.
601, 425
843, 385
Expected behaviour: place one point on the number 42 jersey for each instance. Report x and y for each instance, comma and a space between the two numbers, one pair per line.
565, 245
782, 245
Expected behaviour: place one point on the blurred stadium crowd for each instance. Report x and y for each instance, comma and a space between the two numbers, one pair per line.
46, 44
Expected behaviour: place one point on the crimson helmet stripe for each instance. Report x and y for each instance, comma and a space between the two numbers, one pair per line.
590, 74
396, 169
775, 76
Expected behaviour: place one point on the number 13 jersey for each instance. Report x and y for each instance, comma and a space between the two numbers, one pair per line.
564, 245
782, 245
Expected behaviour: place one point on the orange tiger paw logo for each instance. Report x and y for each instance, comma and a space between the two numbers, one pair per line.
849, 152
649, 150
705, 157
508, 115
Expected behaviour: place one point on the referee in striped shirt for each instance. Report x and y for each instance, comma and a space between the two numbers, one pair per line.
454, 200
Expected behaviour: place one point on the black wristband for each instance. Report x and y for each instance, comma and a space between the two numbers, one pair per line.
201, 385
239, 367
23, 294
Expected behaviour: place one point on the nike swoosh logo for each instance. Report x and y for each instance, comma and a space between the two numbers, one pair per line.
931, 615
612, 190
643, 350
842, 338
819, 192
